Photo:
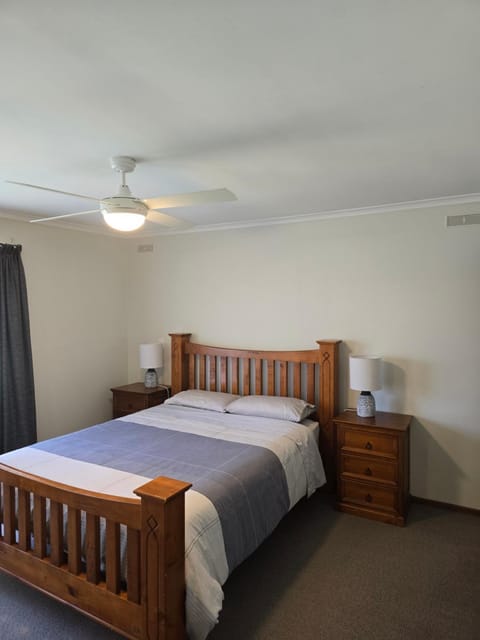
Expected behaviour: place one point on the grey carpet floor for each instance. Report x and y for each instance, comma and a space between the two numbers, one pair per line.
322, 575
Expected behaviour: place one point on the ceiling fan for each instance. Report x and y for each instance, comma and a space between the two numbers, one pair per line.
125, 212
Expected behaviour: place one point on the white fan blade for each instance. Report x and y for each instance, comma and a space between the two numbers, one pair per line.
65, 193
190, 199
66, 215
169, 221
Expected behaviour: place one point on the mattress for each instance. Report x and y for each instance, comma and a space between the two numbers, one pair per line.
246, 472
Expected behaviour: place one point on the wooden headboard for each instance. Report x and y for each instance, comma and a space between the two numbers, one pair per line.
310, 374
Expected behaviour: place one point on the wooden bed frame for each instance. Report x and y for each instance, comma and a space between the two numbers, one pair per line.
152, 606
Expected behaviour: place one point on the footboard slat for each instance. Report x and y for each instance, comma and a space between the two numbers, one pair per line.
112, 553
39, 527
92, 548
24, 520
57, 554
9, 514
133, 564
74, 541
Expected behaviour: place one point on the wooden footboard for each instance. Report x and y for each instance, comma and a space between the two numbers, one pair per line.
150, 602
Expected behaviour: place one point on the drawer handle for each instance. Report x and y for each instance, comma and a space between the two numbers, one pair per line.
368, 471
130, 405
369, 446
368, 498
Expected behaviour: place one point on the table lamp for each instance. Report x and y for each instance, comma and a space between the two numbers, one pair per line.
365, 376
151, 359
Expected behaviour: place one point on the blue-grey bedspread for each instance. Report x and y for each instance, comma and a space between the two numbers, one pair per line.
246, 483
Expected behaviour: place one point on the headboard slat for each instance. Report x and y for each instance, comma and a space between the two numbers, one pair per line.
282, 374
213, 373
310, 372
296, 380
191, 369
223, 374
246, 376
270, 385
203, 365
258, 377
235, 365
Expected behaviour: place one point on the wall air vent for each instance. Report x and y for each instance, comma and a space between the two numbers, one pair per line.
462, 220
144, 248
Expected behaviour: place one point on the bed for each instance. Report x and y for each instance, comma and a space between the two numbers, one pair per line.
119, 551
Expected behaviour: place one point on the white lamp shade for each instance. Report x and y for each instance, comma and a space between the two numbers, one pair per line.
365, 373
151, 356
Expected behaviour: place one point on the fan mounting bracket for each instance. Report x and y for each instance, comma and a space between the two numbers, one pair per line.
123, 164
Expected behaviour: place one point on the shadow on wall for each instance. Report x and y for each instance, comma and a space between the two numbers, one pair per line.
434, 475
391, 397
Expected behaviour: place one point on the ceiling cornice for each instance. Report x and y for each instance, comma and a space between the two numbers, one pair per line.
448, 201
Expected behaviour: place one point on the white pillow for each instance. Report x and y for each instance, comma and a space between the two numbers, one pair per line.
210, 400
278, 407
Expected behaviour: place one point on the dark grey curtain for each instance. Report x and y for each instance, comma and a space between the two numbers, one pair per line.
17, 396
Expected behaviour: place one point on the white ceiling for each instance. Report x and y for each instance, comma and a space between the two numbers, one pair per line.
299, 108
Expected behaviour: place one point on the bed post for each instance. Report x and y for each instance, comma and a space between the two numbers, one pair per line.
178, 361
328, 405
162, 559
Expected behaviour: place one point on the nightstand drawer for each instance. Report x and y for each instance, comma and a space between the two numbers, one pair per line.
362, 441
369, 496
130, 402
369, 468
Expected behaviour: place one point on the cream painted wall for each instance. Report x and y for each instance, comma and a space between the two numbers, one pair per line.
76, 291
399, 285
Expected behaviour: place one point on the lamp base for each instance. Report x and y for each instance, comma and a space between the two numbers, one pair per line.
366, 405
151, 379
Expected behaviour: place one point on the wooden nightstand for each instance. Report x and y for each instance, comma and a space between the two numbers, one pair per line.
135, 397
373, 465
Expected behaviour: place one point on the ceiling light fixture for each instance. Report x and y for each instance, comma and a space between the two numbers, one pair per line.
123, 212
123, 220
